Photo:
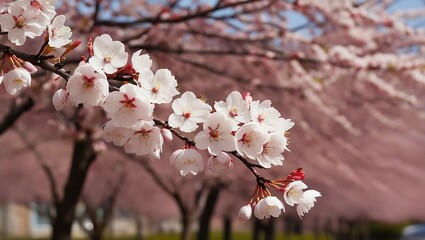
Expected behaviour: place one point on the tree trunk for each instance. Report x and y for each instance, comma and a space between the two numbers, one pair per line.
207, 212
227, 228
95, 236
83, 156
257, 229
139, 222
186, 222
269, 229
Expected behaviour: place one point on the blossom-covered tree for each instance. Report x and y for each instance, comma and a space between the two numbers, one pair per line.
343, 51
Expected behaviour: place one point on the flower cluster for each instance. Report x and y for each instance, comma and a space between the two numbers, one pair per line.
292, 188
29, 18
250, 130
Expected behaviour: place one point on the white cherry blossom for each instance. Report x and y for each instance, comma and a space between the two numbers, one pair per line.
250, 140
128, 106
268, 206
108, 55
42, 11
294, 192
19, 24
87, 86
245, 212
59, 34
188, 112
161, 87
307, 202
187, 161
235, 108
16, 79
5, 5
282, 125
146, 140
272, 151
117, 135
265, 115
217, 134
220, 164
141, 62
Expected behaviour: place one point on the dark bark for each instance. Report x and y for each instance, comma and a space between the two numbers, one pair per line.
207, 212
186, 223
269, 229
21, 105
139, 225
83, 156
257, 229
227, 228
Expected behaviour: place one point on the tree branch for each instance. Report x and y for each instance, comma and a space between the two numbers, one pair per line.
159, 20
44, 166
18, 107
36, 60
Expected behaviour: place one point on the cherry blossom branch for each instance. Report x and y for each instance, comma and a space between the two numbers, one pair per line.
42, 49
251, 166
40, 61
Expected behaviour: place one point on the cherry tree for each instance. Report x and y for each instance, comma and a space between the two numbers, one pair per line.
344, 50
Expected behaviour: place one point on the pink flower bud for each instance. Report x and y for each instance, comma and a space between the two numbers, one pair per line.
245, 212
60, 99
166, 134
247, 98
29, 67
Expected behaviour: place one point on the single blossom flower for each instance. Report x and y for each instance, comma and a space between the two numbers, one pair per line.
188, 112
282, 126
108, 55
265, 115
245, 212
294, 194
161, 87
307, 202
217, 134
145, 140
250, 140
117, 135
16, 79
41, 11
268, 206
272, 151
141, 62
19, 24
187, 161
59, 34
87, 86
128, 106
220, 164
235, 108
